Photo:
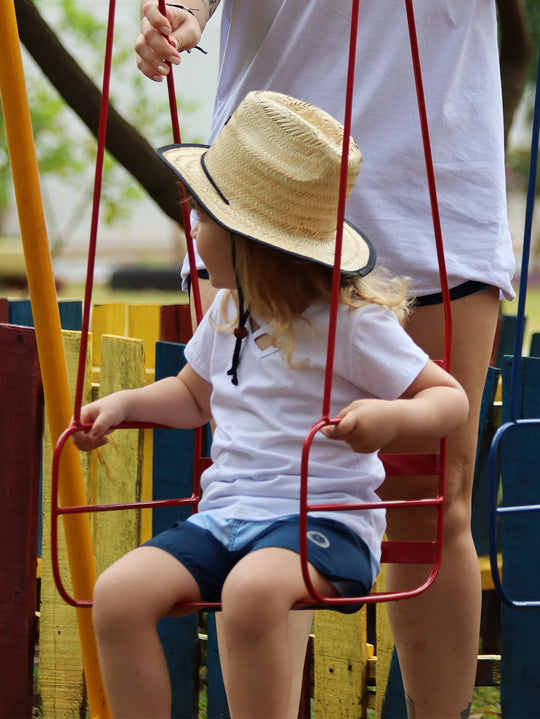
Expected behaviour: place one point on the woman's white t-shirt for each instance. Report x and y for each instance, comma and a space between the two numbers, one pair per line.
301, 49
262, 422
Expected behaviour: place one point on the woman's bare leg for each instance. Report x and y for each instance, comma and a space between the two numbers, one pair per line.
257, 598
436, 633
130, 597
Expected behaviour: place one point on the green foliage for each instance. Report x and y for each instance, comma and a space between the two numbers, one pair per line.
532, 8
65, 148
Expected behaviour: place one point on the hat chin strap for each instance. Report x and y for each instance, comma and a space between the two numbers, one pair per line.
240, 332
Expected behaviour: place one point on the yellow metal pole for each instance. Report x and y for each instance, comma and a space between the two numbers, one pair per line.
48, 336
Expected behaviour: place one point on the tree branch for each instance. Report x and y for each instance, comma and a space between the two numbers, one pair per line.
123, 141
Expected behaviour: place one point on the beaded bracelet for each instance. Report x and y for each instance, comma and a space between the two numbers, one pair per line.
191, 11
183, 7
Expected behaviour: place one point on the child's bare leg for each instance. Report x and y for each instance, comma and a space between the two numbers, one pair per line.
299, 629
299, 622
257, 598
130, 598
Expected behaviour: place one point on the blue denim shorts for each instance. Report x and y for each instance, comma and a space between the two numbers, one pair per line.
341, 556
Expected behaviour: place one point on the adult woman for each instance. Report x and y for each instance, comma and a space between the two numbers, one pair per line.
300, 49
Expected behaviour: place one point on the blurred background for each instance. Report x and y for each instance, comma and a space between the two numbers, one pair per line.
140, 240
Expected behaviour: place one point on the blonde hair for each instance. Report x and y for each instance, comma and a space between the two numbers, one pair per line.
261, 270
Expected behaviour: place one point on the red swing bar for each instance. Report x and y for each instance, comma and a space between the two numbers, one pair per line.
422, 552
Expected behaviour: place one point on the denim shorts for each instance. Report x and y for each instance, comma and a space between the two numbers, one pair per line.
339, 554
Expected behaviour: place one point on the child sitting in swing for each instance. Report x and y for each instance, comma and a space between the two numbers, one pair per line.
266, 196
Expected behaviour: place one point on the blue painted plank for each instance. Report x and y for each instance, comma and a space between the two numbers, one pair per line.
520, 473
394, 706
507, 335
70, 314
534, 350
20, 313
172, 477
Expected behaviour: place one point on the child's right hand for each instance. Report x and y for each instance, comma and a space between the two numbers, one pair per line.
103, 415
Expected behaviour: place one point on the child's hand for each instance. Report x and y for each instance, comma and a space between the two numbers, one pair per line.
104, 415
366, 425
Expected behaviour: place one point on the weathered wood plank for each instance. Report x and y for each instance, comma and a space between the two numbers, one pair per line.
143, 322
520, 478
61, 678
4, 309
119, 461
173, 477
175, 323
107, 319
340, 665
21, 427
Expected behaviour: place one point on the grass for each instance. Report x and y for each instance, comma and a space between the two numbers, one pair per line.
486, 703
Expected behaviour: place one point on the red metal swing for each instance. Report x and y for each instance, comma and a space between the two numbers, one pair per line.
433, 464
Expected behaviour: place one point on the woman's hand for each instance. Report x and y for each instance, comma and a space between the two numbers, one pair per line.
162, 38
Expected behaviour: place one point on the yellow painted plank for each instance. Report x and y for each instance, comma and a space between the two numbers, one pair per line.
107, 319
340, 665
119, 462
144, 322
61, 680
485, 571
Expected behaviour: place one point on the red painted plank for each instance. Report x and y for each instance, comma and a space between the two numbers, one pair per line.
4, 309
21, 425
175, 323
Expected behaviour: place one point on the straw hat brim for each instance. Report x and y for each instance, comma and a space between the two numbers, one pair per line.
358, 254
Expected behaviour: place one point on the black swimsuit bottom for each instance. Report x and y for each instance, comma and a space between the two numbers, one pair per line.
471, 287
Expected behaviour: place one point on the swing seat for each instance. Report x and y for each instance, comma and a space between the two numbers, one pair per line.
393, 551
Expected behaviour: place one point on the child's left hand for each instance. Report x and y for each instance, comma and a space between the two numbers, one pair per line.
431, 407
366, 425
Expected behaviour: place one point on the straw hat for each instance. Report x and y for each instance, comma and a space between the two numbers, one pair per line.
272, 175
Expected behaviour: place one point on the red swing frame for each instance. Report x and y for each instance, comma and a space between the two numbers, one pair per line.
402, 551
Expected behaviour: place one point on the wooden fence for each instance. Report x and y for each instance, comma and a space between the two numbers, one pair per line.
130, 346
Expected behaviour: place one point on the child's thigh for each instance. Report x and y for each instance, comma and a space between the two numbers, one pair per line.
271, 576
148, 580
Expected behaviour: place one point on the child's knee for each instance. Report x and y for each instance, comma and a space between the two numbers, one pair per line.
252, 602
111, 602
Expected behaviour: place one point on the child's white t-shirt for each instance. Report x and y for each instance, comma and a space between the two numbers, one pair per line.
262, 422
